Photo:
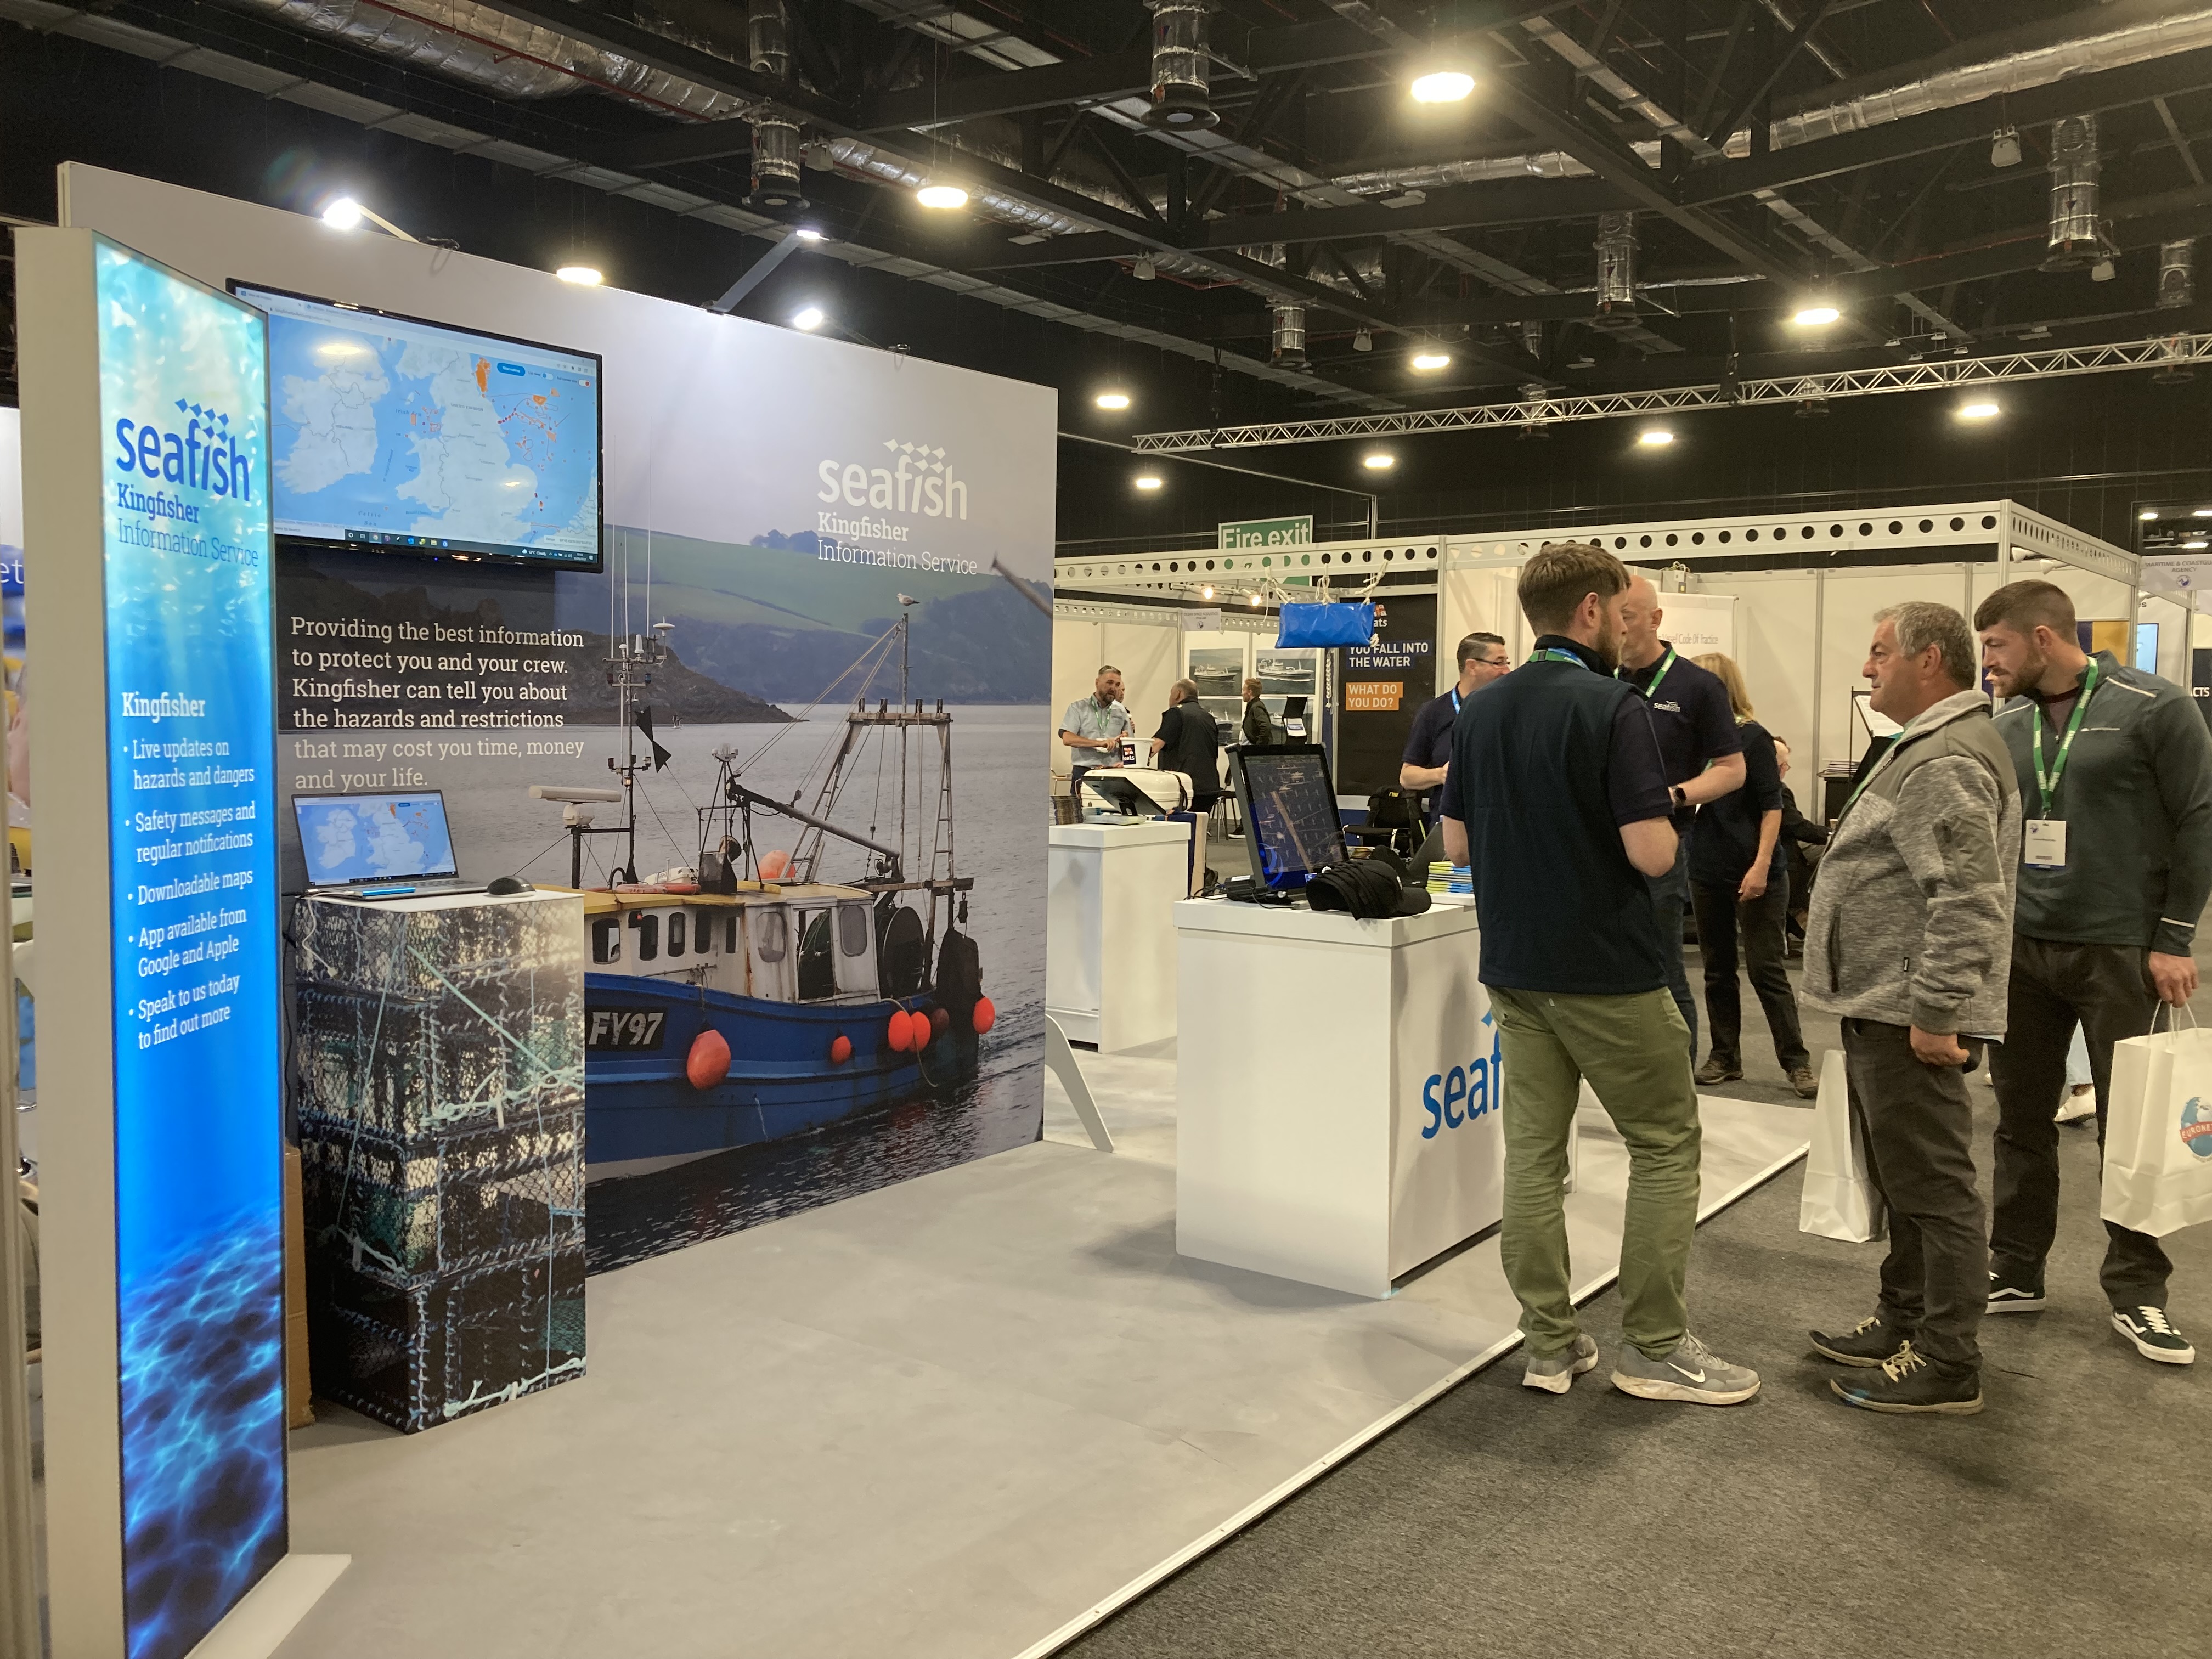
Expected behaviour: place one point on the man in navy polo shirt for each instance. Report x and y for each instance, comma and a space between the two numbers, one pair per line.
1701, 749
1558, 803
1421, 769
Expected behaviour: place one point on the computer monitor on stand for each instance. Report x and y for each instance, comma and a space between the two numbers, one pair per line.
1288, 801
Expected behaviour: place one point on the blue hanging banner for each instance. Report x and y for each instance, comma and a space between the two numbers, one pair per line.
1306, 626
184, 395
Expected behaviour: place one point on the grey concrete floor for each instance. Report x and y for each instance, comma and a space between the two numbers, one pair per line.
953, 1417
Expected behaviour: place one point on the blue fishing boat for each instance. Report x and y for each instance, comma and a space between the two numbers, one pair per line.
746, 1001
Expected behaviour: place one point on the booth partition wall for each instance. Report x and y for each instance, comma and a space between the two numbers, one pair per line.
1790, 596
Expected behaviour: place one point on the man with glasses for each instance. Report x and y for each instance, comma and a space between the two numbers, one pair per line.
1427, 759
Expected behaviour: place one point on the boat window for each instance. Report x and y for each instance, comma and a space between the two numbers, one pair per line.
770, 934
853, 928
817, 974
730, 933
606, 940
675, 932
648, 936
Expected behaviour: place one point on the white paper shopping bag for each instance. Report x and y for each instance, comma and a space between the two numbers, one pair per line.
1840, 1200
2158, 1133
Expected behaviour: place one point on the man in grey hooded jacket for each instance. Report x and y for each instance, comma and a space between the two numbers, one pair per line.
1909, 941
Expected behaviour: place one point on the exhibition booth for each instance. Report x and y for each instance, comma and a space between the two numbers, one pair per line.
570, 766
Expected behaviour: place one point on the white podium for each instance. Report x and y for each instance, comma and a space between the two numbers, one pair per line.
1340, 1122
1110, 973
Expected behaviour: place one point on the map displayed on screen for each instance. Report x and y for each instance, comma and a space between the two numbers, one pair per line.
1294, 822
405, 434
365, 838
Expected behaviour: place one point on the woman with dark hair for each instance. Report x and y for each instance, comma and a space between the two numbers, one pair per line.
1187, 742
1737, 879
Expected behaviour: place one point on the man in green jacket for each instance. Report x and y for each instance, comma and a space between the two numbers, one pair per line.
2115, 774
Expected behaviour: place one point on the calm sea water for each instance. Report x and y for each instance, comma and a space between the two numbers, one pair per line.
999, 789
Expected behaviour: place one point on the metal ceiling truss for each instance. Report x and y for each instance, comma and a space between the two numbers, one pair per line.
1242, 571
2166, 351
1238, 621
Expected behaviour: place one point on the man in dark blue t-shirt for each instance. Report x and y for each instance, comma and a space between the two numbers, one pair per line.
1695, 724
1558, 802
1421, 769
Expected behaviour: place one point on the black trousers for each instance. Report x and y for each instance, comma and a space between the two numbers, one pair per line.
1765, 951
2106, 990
1920, 1130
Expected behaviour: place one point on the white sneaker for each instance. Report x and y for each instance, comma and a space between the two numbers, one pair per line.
2078, 1104
1555, 1373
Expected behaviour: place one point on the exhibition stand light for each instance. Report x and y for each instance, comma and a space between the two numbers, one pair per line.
347, 214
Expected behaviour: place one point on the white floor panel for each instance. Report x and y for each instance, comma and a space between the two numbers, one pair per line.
958, 1417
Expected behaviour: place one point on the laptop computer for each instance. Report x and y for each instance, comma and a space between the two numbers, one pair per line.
380, 846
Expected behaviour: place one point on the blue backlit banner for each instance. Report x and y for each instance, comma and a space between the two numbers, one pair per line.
183, 389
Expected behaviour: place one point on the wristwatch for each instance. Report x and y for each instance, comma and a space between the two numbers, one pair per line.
1680, 798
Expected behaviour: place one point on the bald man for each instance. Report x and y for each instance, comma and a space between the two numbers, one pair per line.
1699, 750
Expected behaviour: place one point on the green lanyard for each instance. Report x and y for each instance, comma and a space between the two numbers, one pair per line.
2048, 781
1648, 689
1553, 654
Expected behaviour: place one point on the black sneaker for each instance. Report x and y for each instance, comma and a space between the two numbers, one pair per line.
2014, 1294
2154, 1336
1716, 1070
1910, 1382
1869, 1342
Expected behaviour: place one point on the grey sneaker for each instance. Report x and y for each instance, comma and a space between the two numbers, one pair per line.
1691, 1371
1555, 1373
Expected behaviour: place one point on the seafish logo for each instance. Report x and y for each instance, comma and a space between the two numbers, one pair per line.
2197, 1127
917, 481
205, 456
1480, 1083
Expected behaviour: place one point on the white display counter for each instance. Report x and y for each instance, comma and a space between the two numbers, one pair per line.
1340, 1122
1109, 974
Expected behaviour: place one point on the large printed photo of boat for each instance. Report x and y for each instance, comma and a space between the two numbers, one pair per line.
814, 966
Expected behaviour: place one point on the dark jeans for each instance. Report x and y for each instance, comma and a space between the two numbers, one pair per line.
1670, 900
1765, 948
1919, 1130
2107, 989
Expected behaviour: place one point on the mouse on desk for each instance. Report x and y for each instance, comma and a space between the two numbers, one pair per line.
501, 886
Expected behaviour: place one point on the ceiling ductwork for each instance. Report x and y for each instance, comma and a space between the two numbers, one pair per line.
2077, 234
490, 49
1182, 95
1616, 271
1287, 337
776, 185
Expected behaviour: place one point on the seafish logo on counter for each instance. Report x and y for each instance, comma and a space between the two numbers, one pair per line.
915, 479
205, 456
1466, 1092
2197, 1127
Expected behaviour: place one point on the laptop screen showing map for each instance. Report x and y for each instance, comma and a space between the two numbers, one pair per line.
354, 841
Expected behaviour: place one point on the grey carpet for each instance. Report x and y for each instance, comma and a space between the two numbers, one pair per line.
2069, 1517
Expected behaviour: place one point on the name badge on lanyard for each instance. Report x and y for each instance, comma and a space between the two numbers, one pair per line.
2044, 844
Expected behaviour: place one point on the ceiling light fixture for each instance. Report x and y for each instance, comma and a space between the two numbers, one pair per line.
1655, 437
2147, 514
1148, 481
1815, 316
581, 276
807, 233
1364, 340
2202, 513
809, 320
943, 197
2194, 546
1442, 87
1429, 361
1206, 591
1983, 411
1378, 460
1252, 599
1113, 400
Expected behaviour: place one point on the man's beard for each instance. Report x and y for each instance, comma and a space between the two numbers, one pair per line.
1607, 643
2031, 675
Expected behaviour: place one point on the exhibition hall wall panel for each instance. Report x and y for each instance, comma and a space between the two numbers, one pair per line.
1849, 600
1079, 648
1777, 615
1151, 661
1477, 601
760, 491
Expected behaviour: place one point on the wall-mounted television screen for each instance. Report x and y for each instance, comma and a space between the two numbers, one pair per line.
393, 435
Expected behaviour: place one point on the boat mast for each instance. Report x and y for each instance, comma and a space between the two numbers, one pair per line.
630, 663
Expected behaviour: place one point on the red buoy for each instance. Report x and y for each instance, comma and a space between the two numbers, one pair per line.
985, 1016
939, 1023
840, 1050
708, 1062
899, 1035
775, 866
